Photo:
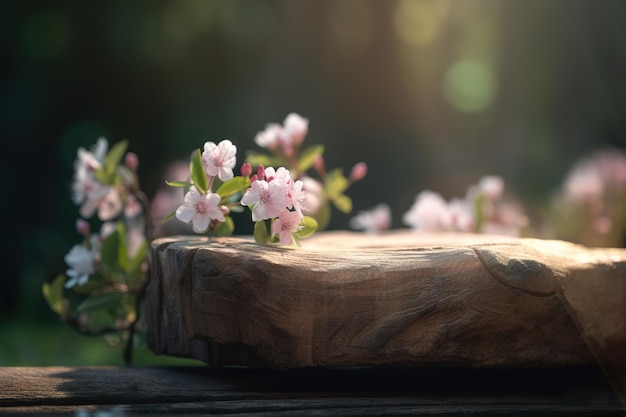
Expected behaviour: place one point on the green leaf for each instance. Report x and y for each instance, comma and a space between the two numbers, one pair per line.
343, 203
53, 294
336, 183
122, 247
178, 183
255, 159
237, 209
232, 186
168, 217
134, 263
112, 159
261, 234
127, 177
110, 256
309, 227
479, 214
308, 156
198, 175
102, 301
94, 283
225, 228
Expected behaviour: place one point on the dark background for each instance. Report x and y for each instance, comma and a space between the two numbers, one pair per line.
431, 94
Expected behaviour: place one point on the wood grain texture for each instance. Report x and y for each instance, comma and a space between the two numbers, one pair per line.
370, 391
401, 299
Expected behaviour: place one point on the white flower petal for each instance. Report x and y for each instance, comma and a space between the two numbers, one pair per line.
185, 213
200, 223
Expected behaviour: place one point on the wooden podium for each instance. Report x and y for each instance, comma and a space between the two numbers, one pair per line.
394, 299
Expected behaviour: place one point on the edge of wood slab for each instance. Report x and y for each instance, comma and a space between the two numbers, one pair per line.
434, 299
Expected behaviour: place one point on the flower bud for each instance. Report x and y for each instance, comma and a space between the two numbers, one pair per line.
318, 164
82, 227
131, 160
246, 169
260, 172
358, 171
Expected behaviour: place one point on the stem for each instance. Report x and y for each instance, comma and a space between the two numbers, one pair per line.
145, 202
132, 327
139, 294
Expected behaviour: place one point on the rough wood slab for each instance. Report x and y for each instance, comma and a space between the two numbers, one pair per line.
346, 299
116, 391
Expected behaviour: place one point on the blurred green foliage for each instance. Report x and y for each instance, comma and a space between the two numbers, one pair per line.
29, 343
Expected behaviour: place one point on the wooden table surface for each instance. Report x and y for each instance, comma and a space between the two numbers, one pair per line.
124, 391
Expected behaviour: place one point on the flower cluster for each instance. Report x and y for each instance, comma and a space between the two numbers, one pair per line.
376, 220
108, 269
203, 208
106, 186
483, 210
590, 208
271, 194
322, 188
287, 203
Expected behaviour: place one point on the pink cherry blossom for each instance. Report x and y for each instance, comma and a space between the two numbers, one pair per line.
219, 160
106, 229
375, 220
266, 198
491, 187
296, 196
93, 194
288, 222
461, 212
87, 162
313, 194
429, 212
295, 128
93, 159
288, 135
199, 209
268, 138
133, 207
111, 205
281, 174
506, 219
591, 179
80, 260
584, 184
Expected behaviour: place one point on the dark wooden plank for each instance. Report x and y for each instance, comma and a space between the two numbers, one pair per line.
334, 391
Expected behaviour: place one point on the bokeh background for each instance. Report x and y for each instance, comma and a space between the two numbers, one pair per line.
429, 93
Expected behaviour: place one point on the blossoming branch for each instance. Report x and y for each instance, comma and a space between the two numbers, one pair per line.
271, 194
323, 188
108, 271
